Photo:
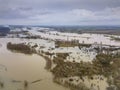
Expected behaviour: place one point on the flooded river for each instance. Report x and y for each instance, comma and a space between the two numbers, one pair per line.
15, 68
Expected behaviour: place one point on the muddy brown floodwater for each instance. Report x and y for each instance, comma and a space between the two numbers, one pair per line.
15, 68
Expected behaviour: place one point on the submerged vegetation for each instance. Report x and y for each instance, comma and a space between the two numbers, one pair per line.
72, 43
104, 64
70, 85
84, 45
66, 43
115, 38
48, 63
19, 48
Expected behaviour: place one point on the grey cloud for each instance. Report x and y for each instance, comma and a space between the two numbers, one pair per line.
63, 4
59, 11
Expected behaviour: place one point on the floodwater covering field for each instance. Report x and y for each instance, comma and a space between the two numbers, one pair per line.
16, 68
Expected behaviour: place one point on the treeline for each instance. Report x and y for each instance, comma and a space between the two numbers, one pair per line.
72, 43
19, 48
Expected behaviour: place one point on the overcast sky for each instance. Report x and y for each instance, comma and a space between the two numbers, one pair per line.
60, 12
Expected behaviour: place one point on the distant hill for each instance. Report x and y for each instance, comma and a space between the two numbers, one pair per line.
4, 30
